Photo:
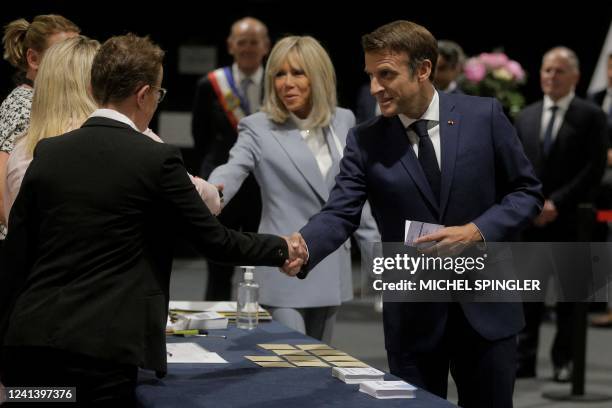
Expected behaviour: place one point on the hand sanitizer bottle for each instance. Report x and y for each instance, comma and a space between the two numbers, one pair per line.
248, 301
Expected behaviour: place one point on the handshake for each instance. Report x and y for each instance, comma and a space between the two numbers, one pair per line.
298, 254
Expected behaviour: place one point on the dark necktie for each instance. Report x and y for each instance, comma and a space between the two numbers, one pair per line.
548, 140
427, 157
244, 88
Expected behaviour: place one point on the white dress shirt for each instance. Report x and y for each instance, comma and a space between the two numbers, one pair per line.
562, 104
315, 139
432, 116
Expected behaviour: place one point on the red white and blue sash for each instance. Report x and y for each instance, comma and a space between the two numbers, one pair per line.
230, 98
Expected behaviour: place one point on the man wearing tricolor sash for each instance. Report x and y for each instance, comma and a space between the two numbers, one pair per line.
223, 97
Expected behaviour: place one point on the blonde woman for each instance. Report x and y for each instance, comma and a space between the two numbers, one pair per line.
61, 103
24, 46
293, 147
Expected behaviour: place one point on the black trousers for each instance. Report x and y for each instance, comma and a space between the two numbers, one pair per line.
242, 213
561, 351
483, 370
98, 382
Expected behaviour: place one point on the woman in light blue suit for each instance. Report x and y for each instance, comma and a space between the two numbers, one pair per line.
293, 147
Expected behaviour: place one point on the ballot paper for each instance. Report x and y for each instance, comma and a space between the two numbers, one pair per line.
290, 352
274, 364
301, 358
417, 229
314, 347
310, 363
339, 358
349, 364
328, 352
207, 321
272, 346
357, 375
388, 389
264, 358
227, 309
191, 353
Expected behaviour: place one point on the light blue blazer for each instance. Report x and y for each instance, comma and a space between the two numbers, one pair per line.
293, 189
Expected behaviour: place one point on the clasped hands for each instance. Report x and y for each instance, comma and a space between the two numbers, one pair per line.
298, 254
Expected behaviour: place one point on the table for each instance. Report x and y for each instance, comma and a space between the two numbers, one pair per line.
242, 383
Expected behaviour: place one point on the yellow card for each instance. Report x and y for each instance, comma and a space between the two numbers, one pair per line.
291, 352
314, 347
310, 364
339, 358
349, 364
264, 358
301, 358
269, 346
328, 353
275, 364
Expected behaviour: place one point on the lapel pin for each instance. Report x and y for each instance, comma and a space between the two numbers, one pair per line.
451, 122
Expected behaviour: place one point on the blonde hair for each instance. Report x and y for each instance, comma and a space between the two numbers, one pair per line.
308, 54
19, 35
61, 100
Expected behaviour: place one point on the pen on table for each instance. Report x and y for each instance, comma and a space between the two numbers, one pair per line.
195, 332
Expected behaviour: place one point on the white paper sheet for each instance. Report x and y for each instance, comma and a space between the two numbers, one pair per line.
191, 353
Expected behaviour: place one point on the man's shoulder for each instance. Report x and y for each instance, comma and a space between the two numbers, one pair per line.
466, 103
102, 133
532, 110
598, 96
373, 126
205, 79
586, 106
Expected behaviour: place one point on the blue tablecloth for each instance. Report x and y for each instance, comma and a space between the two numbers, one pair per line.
242, 383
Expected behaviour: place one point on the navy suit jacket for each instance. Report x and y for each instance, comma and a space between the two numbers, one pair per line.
486, 179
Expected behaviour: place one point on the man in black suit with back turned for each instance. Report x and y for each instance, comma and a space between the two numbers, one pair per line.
223, 97
565, 138
84, 297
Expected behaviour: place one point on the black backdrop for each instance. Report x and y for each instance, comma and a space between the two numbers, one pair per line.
524, 34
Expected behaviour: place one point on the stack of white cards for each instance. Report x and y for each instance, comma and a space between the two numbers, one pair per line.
388, 389
207, 321
357, 375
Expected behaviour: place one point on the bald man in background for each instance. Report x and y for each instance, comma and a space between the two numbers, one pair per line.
223, 97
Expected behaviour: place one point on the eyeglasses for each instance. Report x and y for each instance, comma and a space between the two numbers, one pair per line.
162, 92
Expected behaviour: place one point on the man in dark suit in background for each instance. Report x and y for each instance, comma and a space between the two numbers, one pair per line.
84, 297
565, 139
223, 97
439, 158
449, 66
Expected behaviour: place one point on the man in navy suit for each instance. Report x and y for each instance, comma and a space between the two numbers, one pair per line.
438, 158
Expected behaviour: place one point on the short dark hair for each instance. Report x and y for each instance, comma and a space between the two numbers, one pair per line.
122, 65
452, 52
404, 36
